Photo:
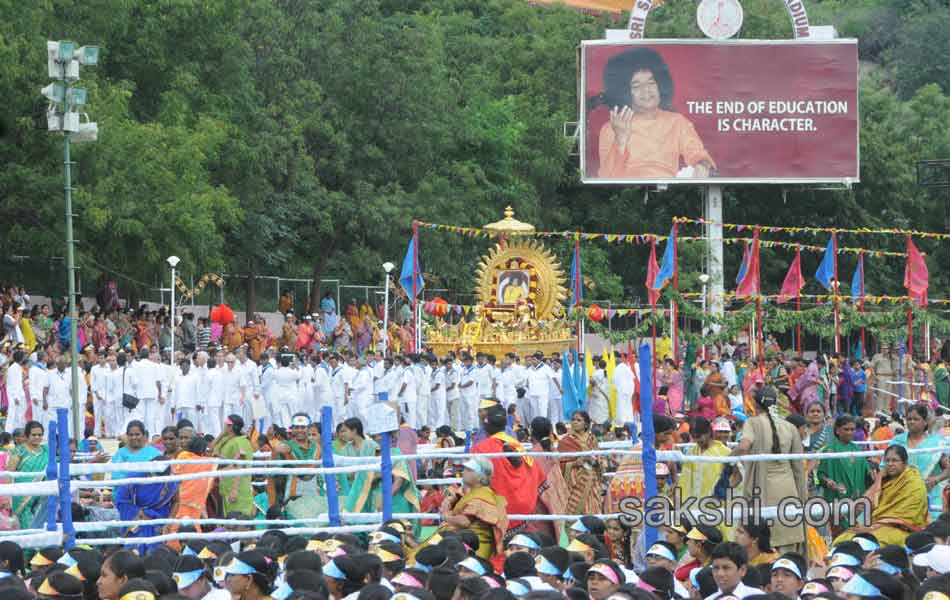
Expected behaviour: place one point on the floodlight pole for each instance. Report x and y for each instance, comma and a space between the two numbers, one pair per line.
71, 278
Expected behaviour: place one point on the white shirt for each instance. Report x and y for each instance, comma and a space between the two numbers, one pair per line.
321, 385
468, 375
451, 379
741, 591
508, 386
286, 380
148, 375
39, 379
423, 375
232, 380
363, 385
729, 373
337, 379
408, 379
538, 385
438, 379
15, 382
484, 380
60, 383
185, 394
97, 380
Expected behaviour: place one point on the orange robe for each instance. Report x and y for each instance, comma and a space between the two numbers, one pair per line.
192, 493
716, 386
657, 148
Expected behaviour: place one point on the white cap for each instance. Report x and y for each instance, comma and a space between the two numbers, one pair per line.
937, 559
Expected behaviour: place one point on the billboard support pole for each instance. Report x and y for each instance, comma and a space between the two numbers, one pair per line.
714, 242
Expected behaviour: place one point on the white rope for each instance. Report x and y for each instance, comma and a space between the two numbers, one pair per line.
222, 535
35, 540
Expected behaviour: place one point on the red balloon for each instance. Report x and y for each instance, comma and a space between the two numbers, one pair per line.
222, 314
595, 313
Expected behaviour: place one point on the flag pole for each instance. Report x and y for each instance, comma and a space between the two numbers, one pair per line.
834, 242
864, 348
576, 276
798, 303
910, 315
674, 306
415, 278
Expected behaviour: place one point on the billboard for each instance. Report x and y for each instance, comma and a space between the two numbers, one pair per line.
702, 111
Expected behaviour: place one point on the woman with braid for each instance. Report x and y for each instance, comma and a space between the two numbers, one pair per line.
773, 480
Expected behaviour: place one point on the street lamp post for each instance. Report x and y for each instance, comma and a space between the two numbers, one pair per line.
388, 267
173, 262
63, 61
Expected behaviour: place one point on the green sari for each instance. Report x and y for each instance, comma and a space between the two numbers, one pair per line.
365, 493
25, 507
368, 448
942, 384
305, 495
850, 472
928, 464
236, 447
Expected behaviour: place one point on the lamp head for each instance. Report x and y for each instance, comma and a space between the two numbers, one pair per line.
388, 266
172, 261
704, 279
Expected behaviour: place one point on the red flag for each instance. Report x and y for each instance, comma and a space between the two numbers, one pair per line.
749, 286
652, 269
794, 281
916, 276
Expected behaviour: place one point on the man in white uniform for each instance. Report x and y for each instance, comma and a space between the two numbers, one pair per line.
213, 391
126, 381
625, 385
58, 394
185, 393
350, 369
361, 395
600, 394
537, 394
452, 396
112, 396
556, 404
438, 413
423, 375
387, 381
147, 371
468, 390
16, 392
484, 378
406, 395
507, 383
322, 393
39, 381
305, 394
98, 375
337, 389
233, 399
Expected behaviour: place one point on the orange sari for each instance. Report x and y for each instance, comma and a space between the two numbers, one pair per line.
192, 494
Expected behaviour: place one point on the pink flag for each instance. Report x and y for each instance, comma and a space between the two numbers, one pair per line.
652, 269
749, 286
794, 281
916, 276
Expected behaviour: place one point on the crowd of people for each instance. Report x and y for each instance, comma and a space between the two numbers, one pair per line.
492, 535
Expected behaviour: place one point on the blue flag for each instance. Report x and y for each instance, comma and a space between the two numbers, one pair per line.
569, 393
669, 263
410, 265
826, 270
857, 282
745, 264
577, 283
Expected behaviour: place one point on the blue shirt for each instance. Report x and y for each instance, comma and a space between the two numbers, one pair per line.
124, 455
860, 380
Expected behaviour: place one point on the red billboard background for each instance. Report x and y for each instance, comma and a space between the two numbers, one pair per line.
746, 72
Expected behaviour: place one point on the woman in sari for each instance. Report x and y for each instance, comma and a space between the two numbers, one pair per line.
553, 494
941, 378
366, 491
672, 378
191, 501
30, 457
582, 474
476, 508
237, 494
842, 478
144, 502
928, 464
898, 498
355, 445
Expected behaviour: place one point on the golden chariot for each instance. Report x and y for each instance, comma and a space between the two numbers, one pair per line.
519, 290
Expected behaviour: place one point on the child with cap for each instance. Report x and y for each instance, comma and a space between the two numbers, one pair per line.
788, 574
